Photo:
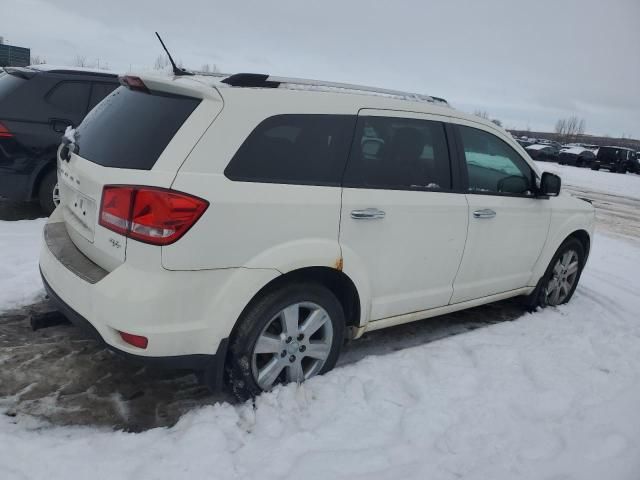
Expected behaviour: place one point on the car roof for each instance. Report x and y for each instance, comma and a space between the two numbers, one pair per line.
318, 92
537, 147
575, 150
618, 148
71, 70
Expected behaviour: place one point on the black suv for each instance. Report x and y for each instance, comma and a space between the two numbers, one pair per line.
616, 159
37, 103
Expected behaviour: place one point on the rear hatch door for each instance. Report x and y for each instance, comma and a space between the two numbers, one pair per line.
133, 137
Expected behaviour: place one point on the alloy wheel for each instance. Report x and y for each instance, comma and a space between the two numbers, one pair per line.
563, 278
293, 346
55, 195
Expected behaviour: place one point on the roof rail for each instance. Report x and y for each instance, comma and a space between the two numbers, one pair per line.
269, 81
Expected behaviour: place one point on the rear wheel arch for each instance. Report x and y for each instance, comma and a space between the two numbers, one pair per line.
335, 280
37, 180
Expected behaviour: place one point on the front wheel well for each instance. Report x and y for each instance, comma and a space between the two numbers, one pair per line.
336, 281
583, 237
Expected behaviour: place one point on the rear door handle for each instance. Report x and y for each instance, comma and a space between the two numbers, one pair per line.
367, 214
484, 213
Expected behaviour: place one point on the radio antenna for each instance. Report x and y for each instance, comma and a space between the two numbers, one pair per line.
176, 70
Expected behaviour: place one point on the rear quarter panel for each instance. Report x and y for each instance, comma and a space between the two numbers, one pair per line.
255, 225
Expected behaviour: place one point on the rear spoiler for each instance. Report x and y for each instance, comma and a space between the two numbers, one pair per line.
25, 73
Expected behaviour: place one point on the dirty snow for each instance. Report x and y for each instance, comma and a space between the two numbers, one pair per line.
552, 394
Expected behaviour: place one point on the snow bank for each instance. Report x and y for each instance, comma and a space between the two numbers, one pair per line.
551, 395
20, 282
601, 181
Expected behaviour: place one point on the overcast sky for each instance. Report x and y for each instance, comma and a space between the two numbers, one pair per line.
527, 63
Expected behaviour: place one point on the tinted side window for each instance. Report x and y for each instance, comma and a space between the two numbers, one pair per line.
99, 91
70, 97
492, 165
399, 154
294, 149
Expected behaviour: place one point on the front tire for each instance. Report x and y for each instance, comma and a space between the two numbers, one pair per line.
48, 193
560, 280
289, 335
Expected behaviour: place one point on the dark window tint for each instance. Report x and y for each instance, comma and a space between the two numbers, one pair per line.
611, 154
9, 83
297, 149
130, 129
399, 153
70, 97
99, 91
492, 165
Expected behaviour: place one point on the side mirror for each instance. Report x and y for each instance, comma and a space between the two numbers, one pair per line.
550, 184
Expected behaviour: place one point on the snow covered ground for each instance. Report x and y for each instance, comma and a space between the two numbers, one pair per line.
20, 282
552, 394
602, 181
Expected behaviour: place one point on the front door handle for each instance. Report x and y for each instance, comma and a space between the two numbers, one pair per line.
484, 213
367, 214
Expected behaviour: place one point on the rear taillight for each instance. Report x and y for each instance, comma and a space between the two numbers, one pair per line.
4, 131
152, 215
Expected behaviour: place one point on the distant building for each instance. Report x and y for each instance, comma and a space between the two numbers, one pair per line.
12, 56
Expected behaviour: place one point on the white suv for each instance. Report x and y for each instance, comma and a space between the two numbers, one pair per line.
245, 226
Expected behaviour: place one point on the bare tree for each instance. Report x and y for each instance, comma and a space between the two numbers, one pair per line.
37, 60
208, 68
569, 129
80, 61
497, 122
162, 61
481, 114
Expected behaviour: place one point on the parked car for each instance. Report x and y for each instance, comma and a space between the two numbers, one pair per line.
552, 143
615, 159
37, 104
545, 153
244, 228
576, 156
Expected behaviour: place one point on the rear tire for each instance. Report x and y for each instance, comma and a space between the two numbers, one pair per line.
48, 195
288, 335
559, 274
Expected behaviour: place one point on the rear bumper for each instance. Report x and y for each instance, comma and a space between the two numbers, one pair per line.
171, 309
199, 362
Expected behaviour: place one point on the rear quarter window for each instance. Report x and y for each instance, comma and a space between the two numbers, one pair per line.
131, 129
70, 97
9, 84
295, 149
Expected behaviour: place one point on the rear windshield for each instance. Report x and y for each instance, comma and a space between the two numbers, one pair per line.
9, 83
130, 129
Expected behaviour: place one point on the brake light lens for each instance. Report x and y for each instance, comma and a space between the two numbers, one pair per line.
4, 131
148, 214
134, 83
